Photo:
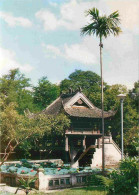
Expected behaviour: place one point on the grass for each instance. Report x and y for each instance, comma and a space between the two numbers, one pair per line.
79, 191
72, 191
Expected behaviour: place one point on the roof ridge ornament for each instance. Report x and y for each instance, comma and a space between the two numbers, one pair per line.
80, 89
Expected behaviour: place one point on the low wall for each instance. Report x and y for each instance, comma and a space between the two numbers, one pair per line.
11, 179
47, 182
58, 161
50, 182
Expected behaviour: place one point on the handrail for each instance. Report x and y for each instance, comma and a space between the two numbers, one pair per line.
116, 146
82, 155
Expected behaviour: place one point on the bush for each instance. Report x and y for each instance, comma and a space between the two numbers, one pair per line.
100, 181
126, 178
122, 181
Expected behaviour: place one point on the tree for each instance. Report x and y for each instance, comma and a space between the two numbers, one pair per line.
110, 96
130, 122
15, 128
130, 117
45, 93
15, 87
131, 138
89, 82
83, 79
102, 27
134, 95
52, 139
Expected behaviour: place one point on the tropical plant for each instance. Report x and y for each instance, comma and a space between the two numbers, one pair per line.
26, 184
100, 181
125, 179
102, 27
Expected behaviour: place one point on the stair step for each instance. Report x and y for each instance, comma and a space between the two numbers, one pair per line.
2, 184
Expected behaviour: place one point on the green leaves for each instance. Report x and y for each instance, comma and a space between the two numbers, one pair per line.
101, 181
14, 88
102, 26
26, 184
87, 80
123, 180
45, 93
126, 178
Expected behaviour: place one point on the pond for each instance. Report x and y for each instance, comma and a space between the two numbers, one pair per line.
50, 168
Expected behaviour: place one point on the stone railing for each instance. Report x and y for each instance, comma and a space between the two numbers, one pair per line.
50, 182
12, 179
47, 182
86, 131
57, 161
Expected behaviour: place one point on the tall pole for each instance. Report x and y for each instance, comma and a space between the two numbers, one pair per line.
102, 105
122, 144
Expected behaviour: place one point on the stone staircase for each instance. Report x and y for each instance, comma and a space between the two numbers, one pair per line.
112, 153
85, 158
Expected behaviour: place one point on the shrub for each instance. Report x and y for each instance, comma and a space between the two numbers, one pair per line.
121, 181
26, 184
100, 181
126, 178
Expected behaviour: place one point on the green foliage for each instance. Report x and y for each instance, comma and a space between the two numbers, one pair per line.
16, 97
126, 177
45, 93
53, 128
14, 87
130, 119
26, 184
59, 123
131, 138
15, 129
83, 79
123, 180
110, 96
134, 95
102, 26
101, 181
89, 82
11, 122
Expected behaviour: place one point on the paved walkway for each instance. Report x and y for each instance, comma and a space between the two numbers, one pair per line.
8, 190
5, 190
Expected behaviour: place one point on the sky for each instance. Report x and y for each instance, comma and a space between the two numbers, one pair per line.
42, 38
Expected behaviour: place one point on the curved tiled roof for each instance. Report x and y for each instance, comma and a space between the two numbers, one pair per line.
76, 111
53, 108
88, 113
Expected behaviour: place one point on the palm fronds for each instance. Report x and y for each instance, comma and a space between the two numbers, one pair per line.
102, 26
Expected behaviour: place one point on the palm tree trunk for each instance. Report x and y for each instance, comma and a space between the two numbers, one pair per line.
102, 104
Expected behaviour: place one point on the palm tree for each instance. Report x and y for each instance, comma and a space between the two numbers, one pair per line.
102, 27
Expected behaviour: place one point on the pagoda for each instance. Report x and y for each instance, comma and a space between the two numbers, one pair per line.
83, 140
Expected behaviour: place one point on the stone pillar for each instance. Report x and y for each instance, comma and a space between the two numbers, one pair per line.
110, 139
84, 144
73, 180
73, 153
98, 142
66, 143
42, 182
